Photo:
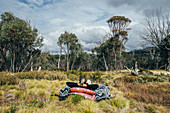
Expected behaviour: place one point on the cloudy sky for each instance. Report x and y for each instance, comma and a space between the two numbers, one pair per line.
86, 18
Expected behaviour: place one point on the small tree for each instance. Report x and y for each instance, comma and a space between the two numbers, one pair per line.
68, 43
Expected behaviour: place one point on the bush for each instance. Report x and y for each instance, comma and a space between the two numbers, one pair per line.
96, 76
155, 94
87, 106
18, 94
118, 102
106, 107
14, 79
74, 99
1, 93
8, 79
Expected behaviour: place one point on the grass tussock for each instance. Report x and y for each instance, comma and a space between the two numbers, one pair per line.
36, 92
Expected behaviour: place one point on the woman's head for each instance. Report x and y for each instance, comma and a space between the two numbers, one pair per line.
82, 80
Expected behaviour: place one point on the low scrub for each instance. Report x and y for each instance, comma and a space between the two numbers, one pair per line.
148, 93
8, 79
14, 78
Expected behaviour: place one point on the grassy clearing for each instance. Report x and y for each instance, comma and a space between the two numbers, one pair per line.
37, 94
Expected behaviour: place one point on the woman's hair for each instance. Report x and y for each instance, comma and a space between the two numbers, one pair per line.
81, 79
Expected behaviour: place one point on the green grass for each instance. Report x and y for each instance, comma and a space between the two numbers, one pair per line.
35, 92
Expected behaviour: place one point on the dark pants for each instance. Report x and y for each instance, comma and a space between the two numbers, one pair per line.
91, 86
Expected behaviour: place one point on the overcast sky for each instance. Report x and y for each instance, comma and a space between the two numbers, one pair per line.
86, 18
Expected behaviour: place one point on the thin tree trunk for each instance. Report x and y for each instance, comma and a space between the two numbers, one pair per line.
115, 60
120, 54
31, 57
27, 64
31, 65
13, 65
136, 68
105, 63
73, 62
168, 67
59, 58
157, 61
67, 58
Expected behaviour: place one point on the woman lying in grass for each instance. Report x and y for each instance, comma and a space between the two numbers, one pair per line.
83, 83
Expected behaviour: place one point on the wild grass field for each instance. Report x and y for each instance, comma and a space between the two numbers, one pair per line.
38, 92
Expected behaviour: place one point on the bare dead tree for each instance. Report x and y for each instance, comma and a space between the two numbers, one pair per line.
156, 28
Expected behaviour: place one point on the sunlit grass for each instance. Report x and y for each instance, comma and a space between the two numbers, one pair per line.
44, 91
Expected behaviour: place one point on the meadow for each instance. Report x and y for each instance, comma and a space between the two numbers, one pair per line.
38, 92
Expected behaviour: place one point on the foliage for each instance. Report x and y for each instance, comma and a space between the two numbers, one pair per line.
74, 99
13, 79
49, 75
19, 42
147, 93
8, 79
69, 43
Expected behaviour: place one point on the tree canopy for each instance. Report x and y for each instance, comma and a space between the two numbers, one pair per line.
19, 42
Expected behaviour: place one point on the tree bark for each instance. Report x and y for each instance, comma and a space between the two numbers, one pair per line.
68, 58
59, 58
120, 55
105, 63
73, 62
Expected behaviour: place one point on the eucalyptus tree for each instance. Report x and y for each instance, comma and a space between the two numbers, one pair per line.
19, 42
68, 42
118, 27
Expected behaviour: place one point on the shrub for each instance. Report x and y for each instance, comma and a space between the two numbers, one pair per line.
106, 107
87, 106
8, 79
73, 77
49, 75
35, 100
1, 93
119, 102
41, 86
13, 87
18, 94
13, 109
148, 93
63, 111
132, 103
31, 86
74, 99
96, 76
41, 93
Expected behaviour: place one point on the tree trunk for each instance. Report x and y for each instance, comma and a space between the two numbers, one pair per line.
115, 60
157, 60
68, 58
13, 63
73, 62
59, 58
31, 65
120, 55
105, 63
31, 57
168, 67
136, 68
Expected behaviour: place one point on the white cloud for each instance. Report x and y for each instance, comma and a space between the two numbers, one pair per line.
86, 18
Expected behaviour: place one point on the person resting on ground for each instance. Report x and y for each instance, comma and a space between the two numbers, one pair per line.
83, 83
